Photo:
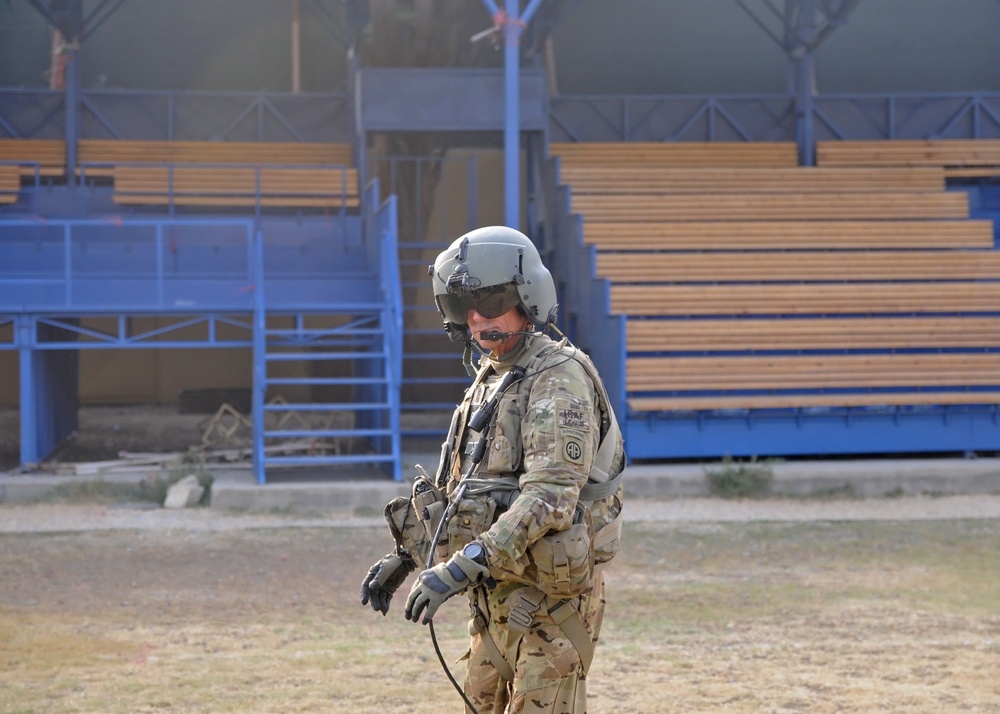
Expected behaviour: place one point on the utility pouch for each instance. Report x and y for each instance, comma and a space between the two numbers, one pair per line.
428, 506
607, 519
407, 532
473, 516
565, 561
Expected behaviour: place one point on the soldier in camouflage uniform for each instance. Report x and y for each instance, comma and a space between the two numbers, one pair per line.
525, 507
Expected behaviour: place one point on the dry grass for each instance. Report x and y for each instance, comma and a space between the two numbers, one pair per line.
828, 617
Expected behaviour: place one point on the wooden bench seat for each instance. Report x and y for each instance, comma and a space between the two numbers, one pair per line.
46, 156
676, 154
825, 333
780, 235
100, 156
209, 186
812, 401
821, 265
806, 299
958, 157
770, 207
813, 371
644, 180
10, 183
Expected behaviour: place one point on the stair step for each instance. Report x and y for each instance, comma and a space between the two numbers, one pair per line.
325, 407
321, 381
314, 356
272, 461
436, 380
429, 406
310, 433
437, 356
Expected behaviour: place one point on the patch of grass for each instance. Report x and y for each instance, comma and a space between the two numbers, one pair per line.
156, 489
736, 479
93, 491
152, 489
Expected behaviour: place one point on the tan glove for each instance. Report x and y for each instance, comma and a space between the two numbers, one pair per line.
441, 582
383, 579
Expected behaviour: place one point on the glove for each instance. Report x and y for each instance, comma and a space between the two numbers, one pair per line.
384, 579
439, 583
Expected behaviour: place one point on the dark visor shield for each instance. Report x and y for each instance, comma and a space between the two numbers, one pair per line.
489, 302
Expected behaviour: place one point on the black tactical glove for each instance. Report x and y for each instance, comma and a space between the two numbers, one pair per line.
383, 580
439, 583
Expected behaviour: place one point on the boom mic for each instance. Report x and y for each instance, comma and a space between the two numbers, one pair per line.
495, 335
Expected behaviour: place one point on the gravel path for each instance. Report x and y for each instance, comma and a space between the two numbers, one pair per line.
54, 518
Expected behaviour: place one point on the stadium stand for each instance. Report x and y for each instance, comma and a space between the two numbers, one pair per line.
768, 288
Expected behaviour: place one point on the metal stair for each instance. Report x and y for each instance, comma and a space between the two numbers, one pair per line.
326, 397
328, 355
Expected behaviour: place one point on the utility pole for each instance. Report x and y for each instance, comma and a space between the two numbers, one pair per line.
512, 22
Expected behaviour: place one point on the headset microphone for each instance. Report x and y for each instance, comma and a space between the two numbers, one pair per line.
495, 335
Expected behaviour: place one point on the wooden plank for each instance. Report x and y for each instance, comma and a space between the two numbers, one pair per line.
239, 200
758, 153
954, 153
656, 180
778, 235
115, 151
825, 265
771, 207
46, 156
234, 186
824, 333
812, 298
825, 371
805, 401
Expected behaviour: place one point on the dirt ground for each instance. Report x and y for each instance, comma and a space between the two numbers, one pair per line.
218, 612
246, 616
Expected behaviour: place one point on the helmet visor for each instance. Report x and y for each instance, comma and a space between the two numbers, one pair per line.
489, 302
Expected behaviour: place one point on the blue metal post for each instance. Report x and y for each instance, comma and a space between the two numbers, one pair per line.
804, 80
24, 324
512, 126
513, 22
259, 361
72, 109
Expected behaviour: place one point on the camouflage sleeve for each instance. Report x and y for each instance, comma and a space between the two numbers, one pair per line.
560, 431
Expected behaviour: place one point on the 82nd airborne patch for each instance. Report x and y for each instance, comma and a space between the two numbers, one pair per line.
572, 424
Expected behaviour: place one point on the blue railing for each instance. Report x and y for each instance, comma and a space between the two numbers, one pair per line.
381, 229
182, 115
325, 117
971, 115
109, 265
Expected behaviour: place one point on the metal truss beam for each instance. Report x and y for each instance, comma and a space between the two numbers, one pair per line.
804, 26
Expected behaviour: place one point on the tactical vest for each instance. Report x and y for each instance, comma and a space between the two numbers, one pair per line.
494, 486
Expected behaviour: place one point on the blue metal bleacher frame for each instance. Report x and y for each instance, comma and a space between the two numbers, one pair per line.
210, 272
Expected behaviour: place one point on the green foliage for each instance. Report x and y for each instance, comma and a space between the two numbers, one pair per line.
152, 489
156, 489
735, 479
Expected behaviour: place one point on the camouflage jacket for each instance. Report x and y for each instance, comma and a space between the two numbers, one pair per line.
543, 440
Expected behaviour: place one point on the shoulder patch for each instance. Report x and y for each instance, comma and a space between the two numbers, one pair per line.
570, 418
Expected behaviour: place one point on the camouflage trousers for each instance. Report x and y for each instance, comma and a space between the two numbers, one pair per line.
548, 675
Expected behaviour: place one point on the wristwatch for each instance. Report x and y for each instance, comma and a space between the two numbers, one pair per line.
475, 552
